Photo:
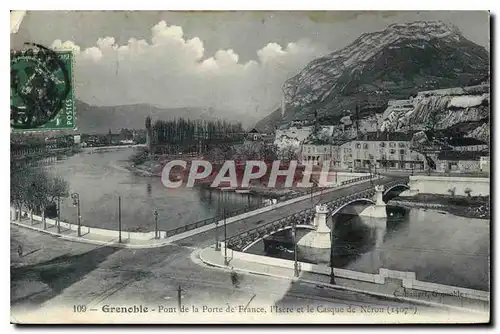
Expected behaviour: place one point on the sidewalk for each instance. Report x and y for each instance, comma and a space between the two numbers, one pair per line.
391, 290
91, 238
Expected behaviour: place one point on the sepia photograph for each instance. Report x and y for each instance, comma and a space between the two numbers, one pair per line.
250, 167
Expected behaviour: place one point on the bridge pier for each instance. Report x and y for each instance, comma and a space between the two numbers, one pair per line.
316, 244
413, 191
378, 228
379, 209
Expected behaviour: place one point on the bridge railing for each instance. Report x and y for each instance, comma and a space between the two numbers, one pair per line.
239, 241
303, 217
245, 209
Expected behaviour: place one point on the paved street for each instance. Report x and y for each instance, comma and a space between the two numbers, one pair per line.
58, 273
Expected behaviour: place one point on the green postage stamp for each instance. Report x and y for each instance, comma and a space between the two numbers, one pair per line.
41, 89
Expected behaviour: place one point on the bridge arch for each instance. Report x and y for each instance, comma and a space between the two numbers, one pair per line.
336, 210
310, 227
394, 191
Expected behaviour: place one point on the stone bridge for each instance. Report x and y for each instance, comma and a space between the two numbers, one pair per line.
305, 218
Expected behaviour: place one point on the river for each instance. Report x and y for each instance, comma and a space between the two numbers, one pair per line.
100, 178
439, 247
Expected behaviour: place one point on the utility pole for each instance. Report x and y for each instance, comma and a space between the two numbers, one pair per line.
332, 272
156, 224
371, 177
76, 202
219, 215
58, 214
296, 263
217, 248
179, 298
225, 236
119, 219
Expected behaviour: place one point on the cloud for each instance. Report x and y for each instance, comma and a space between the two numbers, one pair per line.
172, 70
68, 45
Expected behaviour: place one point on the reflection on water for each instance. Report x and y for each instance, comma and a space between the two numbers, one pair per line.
439, 248
353, 237
100, 178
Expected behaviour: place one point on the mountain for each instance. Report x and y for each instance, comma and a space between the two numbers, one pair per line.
99, 119
395, 63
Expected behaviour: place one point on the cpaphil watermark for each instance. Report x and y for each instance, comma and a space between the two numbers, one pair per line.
233, 174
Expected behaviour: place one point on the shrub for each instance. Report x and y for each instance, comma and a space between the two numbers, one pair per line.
139, 157
467, 191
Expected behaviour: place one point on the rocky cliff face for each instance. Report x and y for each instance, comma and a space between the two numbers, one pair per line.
459, 111
395, 63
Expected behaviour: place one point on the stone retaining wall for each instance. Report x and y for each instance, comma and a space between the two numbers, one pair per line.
423, 184
408, 279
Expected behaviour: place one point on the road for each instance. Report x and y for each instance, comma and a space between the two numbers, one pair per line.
59, 273
208, 238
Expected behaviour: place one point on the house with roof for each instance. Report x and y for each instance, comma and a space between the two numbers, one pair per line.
462, 161
467, 144
382, 150
254, 134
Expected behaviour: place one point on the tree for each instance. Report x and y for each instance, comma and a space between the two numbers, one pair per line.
34, 190
269, 152
215, 155
57, 188
18, 187
126, 134
288, 153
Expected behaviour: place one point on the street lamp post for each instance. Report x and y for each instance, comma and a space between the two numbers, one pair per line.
156, 224
58, 214
119, 219
370, 170
295, 263
76, 202
217, 248
332, 271
225, 236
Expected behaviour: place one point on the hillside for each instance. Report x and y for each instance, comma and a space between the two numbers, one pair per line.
395, 63
99, 119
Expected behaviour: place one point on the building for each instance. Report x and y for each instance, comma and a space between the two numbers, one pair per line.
254, 134
296, 135
484, 164
381, 150
316, 154
461, 161
467, 144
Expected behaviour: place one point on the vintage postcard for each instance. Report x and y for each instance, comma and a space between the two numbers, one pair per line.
250, 167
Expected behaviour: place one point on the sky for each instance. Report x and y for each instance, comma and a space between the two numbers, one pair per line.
232, 61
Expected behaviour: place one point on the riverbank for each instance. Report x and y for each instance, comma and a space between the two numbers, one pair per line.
469, 207
141, 165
